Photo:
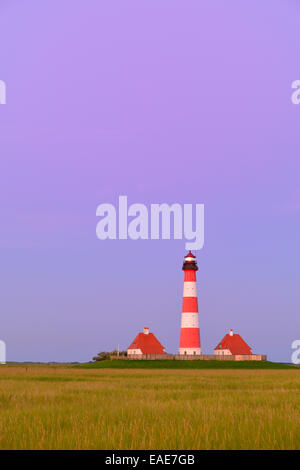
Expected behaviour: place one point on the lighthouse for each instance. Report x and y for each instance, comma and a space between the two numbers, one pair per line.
190, 334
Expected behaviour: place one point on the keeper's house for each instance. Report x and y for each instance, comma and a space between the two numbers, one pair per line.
233, 344
145, 343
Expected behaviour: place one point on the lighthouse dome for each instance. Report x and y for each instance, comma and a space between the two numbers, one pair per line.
190, 262
190, 256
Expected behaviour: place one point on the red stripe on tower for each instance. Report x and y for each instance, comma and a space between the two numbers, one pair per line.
190, 333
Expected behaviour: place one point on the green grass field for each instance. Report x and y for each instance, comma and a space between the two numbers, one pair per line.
183, 364
66, 407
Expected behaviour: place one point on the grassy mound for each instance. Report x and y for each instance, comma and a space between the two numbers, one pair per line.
169, 364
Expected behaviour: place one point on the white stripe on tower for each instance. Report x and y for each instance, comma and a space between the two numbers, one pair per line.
189, 320
189, 289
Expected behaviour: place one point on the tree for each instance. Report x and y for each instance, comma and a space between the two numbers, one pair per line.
104, 355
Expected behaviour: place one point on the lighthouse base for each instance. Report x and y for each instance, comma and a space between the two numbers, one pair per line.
190, 351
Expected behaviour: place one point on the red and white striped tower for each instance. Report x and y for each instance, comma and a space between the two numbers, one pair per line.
190, 333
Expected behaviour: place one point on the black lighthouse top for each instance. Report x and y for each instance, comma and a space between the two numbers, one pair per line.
190, 262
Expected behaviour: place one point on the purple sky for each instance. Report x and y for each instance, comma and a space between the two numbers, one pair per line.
163, 101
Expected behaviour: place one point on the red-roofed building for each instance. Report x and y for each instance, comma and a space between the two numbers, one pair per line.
145, 343
233, 344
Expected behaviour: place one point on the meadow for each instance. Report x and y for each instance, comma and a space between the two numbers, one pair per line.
183, 364
66, 407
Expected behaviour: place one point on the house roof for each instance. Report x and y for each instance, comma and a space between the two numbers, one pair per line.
147, 343
235, 344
